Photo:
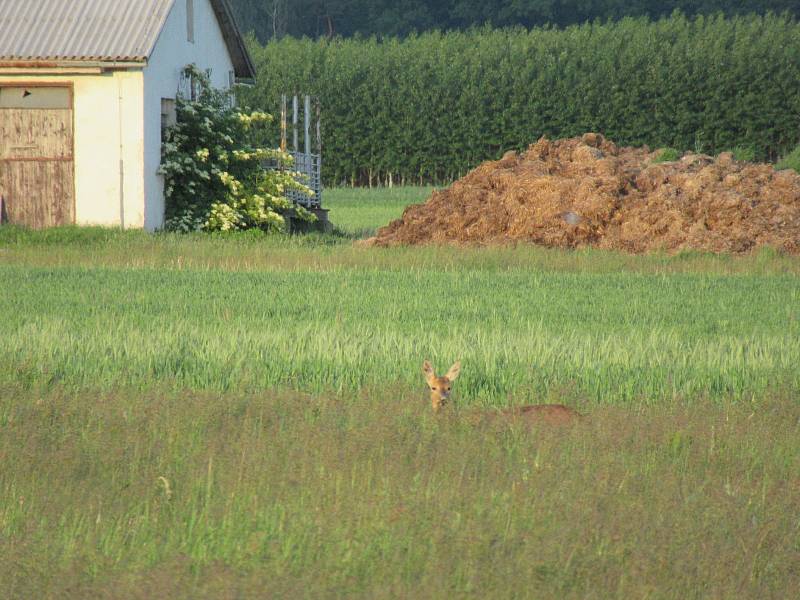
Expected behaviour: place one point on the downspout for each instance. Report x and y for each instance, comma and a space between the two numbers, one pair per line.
121, 161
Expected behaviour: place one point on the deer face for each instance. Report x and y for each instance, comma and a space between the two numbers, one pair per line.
440, 386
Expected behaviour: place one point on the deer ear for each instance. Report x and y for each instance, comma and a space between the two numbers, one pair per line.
427, 370
454, 371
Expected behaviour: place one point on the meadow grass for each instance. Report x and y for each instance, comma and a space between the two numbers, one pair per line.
91, 247
158, 494
522, 335
245, 416
360, 211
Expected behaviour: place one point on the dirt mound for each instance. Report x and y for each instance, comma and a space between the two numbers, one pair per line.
588, 192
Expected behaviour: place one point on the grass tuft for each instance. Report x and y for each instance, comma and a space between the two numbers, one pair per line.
790, 161
667, 155
744, 153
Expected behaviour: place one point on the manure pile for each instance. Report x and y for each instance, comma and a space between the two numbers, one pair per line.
586, 191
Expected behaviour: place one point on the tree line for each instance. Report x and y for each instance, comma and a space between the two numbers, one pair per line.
269, 19
429, 107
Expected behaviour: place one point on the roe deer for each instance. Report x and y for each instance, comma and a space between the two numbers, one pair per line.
545, 413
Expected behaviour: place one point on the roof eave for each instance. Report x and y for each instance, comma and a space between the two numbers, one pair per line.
243, 65
59, 64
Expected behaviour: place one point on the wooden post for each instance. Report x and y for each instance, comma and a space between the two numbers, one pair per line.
319, 128
319, 145
295, 110
283, 123
307, 123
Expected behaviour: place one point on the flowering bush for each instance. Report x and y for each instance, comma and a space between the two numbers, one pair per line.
212, 167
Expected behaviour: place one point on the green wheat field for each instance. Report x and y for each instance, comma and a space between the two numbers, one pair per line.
240, 416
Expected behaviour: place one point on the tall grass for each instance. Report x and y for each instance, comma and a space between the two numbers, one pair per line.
613, 337
122, 495
245, 416
355, 213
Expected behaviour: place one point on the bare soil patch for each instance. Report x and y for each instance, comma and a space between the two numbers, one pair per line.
587, 191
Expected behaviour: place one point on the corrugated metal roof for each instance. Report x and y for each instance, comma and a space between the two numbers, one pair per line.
99, 30
80, 30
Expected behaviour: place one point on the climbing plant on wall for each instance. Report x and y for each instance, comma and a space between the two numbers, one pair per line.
213, 166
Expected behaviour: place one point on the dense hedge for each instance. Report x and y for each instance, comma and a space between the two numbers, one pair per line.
430, 107
314, 18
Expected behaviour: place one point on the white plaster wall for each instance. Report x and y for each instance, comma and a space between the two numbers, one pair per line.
117, 116
162, 78
107, 128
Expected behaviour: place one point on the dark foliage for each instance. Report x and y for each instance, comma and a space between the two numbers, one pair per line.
276, 18
431, 107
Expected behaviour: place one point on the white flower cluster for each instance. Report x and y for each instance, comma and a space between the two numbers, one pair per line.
248, 120
230, 182
215, 178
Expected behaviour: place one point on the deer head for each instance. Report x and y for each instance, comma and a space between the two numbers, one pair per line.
440, 386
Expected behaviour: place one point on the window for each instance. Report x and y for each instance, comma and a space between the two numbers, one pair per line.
190, 20
169, 116
35, 97
231, 86
187, 87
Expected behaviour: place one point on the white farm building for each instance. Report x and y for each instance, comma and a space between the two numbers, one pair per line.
86, 87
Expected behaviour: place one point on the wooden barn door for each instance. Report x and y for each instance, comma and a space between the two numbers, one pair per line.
37, 175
